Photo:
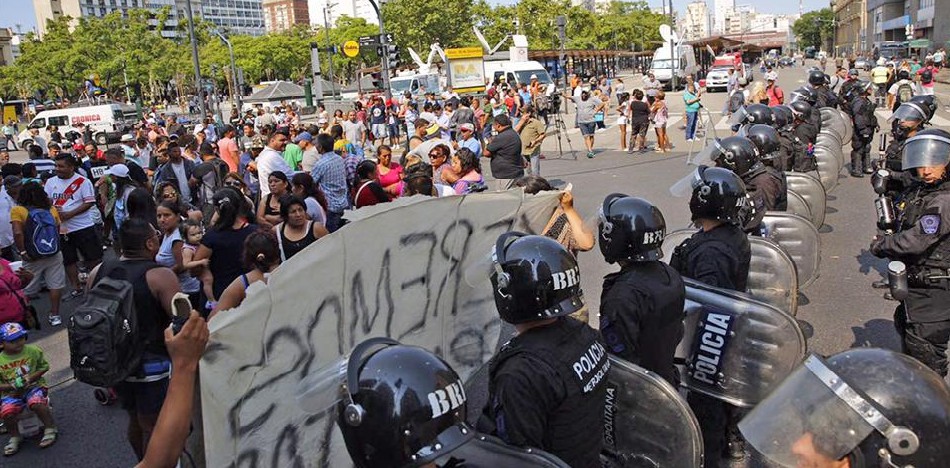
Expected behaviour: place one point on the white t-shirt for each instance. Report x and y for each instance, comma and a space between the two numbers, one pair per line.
55, 188
270, 160
353, 131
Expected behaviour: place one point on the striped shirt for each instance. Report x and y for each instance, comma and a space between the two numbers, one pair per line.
330, 174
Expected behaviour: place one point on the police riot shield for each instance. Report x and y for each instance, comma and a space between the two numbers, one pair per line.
811, 189
773, 277
832, 144
484, 451
828, 167
848, 126
799, 238
646, 422
797, 205
736, 349
832, 121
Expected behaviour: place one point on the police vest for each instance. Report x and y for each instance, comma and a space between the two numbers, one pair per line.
914, 207
894, 154
680, 261
570, 350
879, 75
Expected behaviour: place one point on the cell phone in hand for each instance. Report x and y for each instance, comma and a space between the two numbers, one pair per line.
181, 310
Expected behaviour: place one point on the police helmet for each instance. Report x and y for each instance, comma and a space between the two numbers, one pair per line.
873, 407
917, 112
752, 114
631, 229
862, 87
816, 77
764, 138
738, 154
718, 194
781, 116
903, 75
801, 110
404, 406
534, 278
928, 148
805, 94
928, 103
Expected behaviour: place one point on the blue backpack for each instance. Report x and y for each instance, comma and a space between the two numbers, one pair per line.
42, 234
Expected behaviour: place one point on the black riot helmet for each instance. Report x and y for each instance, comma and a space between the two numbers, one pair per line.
718, 194
738, 154
816, 77
805, 94
928, 148
781, 116
903, 75
927, 103
862, 87
764, 138
874, 407
630, 229
403, 406
534, 278
911, 116
801, 110
752, 114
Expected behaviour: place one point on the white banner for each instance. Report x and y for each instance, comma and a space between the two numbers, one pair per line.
403, 270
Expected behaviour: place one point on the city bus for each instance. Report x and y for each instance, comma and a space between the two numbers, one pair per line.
892, 49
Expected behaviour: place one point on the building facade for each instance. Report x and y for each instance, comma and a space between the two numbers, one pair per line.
281, 15
720, 12
696, 21
886, 22
738, 19
850, 33
7, 39
323, 11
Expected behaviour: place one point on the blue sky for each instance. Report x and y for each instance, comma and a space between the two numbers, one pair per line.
21, 11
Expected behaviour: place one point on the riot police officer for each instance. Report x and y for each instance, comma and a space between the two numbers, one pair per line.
403, 406
772, 180
751, 114
641, 307
810, 96
818, 81
845, 94
547, 384
921, 242
803, 135
718, 255
782, 115
739, 155
865, 124
909, 118
861, 408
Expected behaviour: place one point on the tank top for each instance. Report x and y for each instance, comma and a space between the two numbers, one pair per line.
268, 211
289, 248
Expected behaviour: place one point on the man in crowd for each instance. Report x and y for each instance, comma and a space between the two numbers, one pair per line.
329, 174
504, 151
354, 130
531, 130
9, 132
73, 197
247, 135
228, 148
468, 140
928, 76
309, 155
272, 159
127, 145
116, 156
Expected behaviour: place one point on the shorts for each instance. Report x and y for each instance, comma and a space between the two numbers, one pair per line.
621, 121
587, 128
84, 241
394, 130
379, 130
639, 128
11, 406
49, 271
142, 398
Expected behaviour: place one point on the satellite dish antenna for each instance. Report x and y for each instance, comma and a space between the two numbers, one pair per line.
666, 32
675, 37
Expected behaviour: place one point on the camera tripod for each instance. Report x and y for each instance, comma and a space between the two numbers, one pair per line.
560, 128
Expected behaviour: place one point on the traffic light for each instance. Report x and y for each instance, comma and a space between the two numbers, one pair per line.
377, 80
393, 53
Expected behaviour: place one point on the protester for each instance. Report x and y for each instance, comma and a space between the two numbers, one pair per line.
532, 133
170, 252
505, 153
468, 139
221, 246
228, 148
270, 160
14, 299
927, 75
639, 122
623, 116
587, 109
652, 87
260, 253
774, 92
296, 231
74, 197
268, 210
168, 192
368, 190
468, 172
177, 170
389, 171
22, 367
303, 187
330, 175
692, 100
659, 114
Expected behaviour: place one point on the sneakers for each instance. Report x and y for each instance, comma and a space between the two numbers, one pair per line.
590, 155
55, 320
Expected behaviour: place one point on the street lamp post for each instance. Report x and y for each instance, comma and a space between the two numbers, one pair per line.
194, 59
326, 25
236, 93
673, 50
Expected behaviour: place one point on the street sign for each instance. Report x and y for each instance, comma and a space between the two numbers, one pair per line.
351, 48
466, 69
386, 38
369, 40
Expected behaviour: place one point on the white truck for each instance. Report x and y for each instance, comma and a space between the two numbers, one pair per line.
666, 63
107, 122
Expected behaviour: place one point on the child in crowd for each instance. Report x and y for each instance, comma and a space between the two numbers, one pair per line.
22, 367
191, 233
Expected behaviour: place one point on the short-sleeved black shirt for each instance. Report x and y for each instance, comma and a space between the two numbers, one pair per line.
506, 159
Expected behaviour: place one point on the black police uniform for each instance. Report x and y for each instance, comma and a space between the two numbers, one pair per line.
770, 185
826, 98
786, 152
845, 96
803, 134
641, 315
865, 122
547, 390
893, 154
718, 258
923, 319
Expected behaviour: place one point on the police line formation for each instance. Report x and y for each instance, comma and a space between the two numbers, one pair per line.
716, 323
721, 315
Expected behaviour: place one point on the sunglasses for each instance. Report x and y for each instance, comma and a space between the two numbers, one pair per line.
232, 184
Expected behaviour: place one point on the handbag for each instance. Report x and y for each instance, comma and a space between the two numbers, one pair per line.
31, 319
599, 117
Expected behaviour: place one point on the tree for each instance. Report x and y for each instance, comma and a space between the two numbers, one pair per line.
814, 28
419, 23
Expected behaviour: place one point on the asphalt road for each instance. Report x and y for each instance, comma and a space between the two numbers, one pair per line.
839, 311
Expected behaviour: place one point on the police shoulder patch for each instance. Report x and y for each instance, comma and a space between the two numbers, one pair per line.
930, 223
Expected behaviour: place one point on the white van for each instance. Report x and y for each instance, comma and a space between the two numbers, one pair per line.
665, 64
106, 121
515, 73
417, 84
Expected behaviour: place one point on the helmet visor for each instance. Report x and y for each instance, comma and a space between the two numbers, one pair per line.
926, 151
804, 422
708, 155
684, 187
739, 117
908, 111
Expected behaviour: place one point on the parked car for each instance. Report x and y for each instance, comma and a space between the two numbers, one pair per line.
863, 63
717, 78
786, 62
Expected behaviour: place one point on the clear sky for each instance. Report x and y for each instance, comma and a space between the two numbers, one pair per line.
21, 11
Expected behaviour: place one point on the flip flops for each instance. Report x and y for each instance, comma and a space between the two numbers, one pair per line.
49, 437
13, 446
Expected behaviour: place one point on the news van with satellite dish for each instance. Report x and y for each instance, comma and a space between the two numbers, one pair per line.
672, 58
425, 79
107, 122
515, 68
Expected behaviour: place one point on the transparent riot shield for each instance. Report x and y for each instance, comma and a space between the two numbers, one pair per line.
811, 189
832, 145
832, 121
736, 349
799, 237
773, 278
646, 422
484, 451
828, 168
848, 126
797, 205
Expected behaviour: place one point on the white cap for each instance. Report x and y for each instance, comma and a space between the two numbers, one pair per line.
199, 128
533, 77
126, 138
771, 76
119, 170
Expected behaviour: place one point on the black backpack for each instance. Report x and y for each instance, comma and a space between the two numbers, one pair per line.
926, 76
105, 346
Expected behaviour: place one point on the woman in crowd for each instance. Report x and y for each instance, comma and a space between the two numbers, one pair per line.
308, 191
223, 243
565, 226
296, 232
168, 191
390, 173
623, 114
14, 303
235, 181
142, 205
465, 164
759, 94
261, 254
189, 147
268, 211
661, 115
441, 165
338, 117
170, 251
368, 191
639, 122
50, 270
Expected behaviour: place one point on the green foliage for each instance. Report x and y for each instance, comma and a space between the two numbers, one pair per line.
814, 28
